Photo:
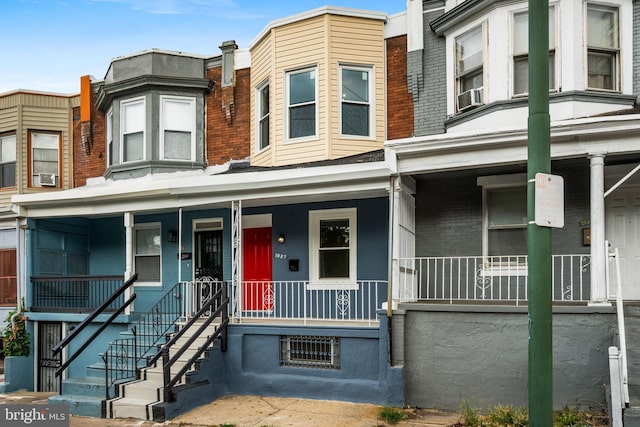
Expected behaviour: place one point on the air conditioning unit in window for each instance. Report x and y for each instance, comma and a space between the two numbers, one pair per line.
469, 99
47, 179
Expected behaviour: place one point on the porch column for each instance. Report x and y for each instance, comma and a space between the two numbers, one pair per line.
128, 272
598, 249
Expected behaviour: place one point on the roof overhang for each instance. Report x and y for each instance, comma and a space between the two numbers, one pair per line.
197, 191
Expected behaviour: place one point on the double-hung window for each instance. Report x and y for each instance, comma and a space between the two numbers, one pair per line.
470, 68
332, 251
45, 158
148, 250
109, 132
263, 116
521, 52
132, 120
603, 47
506, 221
355, 96
301, 103
8, 161
178, 118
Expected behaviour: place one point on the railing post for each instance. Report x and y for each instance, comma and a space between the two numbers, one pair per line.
616, 387
166, 374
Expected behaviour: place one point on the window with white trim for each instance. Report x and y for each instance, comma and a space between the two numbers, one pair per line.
356, 90
147, 255
8, 161
469, 68
132, 119
506, 221
521, 51
603, 47
263, 115
178, 124
45, 158
332, 246
301, 103
109, 133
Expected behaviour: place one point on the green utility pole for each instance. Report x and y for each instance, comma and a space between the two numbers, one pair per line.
539, 238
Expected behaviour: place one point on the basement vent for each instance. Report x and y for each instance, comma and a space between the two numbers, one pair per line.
310, 351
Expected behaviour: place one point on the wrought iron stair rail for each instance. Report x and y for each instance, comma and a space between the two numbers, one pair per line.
123, 355
87, 321
215, 306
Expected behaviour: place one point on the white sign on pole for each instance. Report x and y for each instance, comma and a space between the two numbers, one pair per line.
549, 198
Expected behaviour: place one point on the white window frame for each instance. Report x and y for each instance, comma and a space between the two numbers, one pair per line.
315, 217
370, 102
186, 127
261, 116
8, 139
613, 52
123, 105
553, 49
35, 179
459, 76
288, 74
496, 183
147, 226
109, 137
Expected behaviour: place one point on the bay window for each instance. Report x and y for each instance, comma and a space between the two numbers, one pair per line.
469, 68
177, 115
133, 126
603, 48
263, 116
8, 161
301, 103
521, 51
355, 98
45, 158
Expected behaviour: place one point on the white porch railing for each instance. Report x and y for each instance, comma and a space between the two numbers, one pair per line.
300, 302
476, 278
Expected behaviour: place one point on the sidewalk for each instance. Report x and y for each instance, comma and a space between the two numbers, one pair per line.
256, 411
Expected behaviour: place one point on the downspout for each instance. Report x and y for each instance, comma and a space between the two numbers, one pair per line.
179, 244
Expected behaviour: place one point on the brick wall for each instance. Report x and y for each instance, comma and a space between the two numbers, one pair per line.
88, 160
399, 100
228, 118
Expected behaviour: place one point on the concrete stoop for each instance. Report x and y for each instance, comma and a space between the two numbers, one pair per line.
84, 395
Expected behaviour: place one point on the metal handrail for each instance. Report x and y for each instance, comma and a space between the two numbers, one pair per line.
220, 332
158, 310
621, 330
64, 342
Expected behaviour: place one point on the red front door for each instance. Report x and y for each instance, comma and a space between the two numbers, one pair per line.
258, 289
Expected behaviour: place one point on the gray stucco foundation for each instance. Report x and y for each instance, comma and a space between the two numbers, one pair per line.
480, 354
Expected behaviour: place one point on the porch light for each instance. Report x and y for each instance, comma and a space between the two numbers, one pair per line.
281, 238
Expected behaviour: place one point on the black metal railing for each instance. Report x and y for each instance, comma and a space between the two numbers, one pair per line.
74, 294
122, 357
215, 306
119, 293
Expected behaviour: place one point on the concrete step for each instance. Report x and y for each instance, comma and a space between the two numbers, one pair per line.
84, 386
130, 408
88, 406
147, 390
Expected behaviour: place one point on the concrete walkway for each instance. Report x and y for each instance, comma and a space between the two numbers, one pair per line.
256, 411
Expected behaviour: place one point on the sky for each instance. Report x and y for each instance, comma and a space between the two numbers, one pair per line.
48, 44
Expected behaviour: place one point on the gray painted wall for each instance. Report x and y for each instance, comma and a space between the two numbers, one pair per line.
480, 354
452, 226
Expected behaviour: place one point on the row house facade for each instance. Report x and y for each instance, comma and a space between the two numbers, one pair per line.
254, 180
342, 206
36, 134
466, 242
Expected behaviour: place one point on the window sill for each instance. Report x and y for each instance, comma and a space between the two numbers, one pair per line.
147, 284
504, 270
333, 286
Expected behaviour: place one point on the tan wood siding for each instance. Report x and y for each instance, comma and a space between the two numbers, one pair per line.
8, 119
323, 42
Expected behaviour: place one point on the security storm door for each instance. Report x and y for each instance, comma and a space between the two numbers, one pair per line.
208, 254
623, 232
49, 334
258, 289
